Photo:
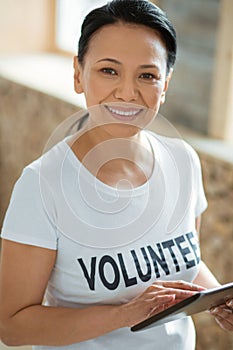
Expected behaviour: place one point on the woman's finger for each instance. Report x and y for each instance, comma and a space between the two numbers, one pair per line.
163, 302
180, 293
224, 323
157, 310
223, 316
160, 298
230, 303
165, 298
223, 312
179, 285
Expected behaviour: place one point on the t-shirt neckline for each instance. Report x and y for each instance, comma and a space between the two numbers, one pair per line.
141, 189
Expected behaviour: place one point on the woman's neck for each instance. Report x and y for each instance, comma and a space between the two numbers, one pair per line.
111, 158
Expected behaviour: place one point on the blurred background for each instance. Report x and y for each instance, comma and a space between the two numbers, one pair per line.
38, 39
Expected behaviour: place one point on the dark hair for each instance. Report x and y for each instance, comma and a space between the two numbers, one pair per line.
129, 11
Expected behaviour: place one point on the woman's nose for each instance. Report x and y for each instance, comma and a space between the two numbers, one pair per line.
126, 90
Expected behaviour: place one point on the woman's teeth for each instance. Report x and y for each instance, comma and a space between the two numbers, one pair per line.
123, 113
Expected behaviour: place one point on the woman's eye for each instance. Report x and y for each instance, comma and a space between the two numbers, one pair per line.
109, 71
148, 76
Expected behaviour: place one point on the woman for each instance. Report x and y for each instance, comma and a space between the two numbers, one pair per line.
89, 223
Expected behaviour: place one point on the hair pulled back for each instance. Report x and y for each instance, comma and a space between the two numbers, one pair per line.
141, 12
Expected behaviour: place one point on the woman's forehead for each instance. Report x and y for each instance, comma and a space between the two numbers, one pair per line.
126, 39
119, 30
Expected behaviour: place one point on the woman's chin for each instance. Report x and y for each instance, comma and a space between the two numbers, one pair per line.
121, 130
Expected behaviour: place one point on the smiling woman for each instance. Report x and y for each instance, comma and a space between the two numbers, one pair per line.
114, 76
143, 67
102, 230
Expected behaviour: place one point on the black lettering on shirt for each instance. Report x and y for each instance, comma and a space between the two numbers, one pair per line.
106, 259
169, 244
141, 261
90, 278
184, 251
128, 281
158, 259
194, 246
143, 276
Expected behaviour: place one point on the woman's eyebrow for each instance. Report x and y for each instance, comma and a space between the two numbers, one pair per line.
143, 66
113, 60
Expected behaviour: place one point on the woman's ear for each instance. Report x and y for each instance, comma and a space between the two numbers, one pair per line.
77, 76
166, 84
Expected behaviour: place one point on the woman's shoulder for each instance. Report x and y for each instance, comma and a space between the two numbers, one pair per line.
175, 145
51, 156
46, 165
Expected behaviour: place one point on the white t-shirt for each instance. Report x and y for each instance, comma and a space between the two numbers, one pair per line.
111, 244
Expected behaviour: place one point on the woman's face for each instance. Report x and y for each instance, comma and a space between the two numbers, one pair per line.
124, 71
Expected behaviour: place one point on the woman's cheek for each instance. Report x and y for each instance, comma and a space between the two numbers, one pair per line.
101, 87
152, 97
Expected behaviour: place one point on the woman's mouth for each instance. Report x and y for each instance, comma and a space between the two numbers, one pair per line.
124, 113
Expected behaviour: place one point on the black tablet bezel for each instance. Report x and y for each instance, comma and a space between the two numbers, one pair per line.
198, 302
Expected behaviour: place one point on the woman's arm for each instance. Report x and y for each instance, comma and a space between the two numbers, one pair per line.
224, 313
25, 271
205, 277
24, 274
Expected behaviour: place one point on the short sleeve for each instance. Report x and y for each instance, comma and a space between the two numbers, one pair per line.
200, 198
27, 219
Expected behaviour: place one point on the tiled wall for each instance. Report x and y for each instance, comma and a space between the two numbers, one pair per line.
27, 119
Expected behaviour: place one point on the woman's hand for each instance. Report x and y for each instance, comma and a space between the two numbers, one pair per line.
157, 297
224, 315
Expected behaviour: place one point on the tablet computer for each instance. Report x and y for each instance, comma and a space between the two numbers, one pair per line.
198, 302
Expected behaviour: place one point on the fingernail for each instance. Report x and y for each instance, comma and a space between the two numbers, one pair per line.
214, 310
230, 303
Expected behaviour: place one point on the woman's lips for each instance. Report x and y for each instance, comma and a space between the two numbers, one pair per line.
124, 113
